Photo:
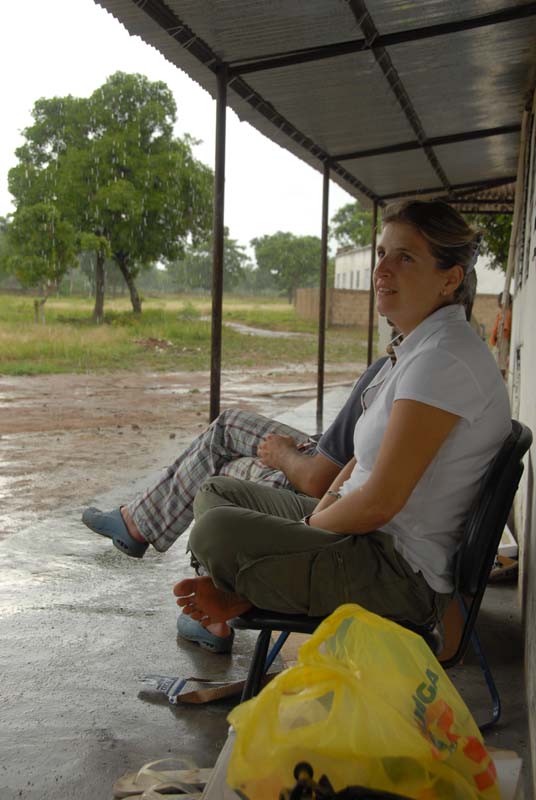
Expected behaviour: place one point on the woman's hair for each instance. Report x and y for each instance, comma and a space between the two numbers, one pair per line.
450, 239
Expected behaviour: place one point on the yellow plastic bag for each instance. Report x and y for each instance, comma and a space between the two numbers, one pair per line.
368, 704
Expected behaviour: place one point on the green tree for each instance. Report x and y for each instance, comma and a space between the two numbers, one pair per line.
288, 261
496, 229
194, 270
113, 168
351, 225
4, 248
42, 248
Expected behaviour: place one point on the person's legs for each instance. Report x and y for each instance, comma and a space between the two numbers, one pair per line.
254, 547
164, 511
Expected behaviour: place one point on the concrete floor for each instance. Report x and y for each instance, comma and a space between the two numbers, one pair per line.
79, 623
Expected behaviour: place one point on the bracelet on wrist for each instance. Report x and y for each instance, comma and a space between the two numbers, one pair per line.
331, 493
306, 519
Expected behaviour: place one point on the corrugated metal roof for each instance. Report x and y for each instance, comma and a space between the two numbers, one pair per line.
331, 99
277, 25
394, 15
469, 80
408, 88
462, 161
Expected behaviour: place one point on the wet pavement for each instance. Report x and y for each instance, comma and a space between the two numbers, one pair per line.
79, 623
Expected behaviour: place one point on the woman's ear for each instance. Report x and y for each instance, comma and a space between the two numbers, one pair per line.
453, 277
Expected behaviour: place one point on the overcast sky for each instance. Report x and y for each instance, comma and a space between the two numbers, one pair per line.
61, 47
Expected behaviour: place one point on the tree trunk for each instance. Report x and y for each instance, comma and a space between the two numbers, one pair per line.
98, 311
135, 299
39, 309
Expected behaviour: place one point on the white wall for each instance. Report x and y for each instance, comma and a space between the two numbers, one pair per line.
522, 371
352, 268
522, 384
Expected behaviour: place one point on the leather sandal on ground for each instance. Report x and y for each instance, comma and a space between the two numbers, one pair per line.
192, 630
112, 525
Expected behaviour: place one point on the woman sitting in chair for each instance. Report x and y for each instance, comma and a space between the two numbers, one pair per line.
386, 533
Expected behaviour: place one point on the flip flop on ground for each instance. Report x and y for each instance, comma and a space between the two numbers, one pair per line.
169, 772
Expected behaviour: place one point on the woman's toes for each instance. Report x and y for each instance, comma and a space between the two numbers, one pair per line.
184, 588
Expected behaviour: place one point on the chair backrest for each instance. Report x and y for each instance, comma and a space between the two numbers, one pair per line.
490, 511
485, 526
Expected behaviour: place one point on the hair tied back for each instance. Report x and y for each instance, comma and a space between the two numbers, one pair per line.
476, 251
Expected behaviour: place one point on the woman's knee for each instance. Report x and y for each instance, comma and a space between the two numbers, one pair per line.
212, 494
226, 416
209, 538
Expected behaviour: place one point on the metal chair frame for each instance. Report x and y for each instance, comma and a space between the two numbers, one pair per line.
482, 534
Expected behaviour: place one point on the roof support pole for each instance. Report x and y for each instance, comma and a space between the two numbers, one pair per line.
217, 243
371, 285
322, 301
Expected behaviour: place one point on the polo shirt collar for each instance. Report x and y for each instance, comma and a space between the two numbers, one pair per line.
427, 327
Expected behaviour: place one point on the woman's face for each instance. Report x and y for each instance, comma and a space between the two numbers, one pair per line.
408, 284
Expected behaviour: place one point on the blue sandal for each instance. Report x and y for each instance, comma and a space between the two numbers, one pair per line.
112, 525
192, 630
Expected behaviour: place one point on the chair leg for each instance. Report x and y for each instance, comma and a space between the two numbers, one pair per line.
276, 649
257, 667
492, 687
486, 671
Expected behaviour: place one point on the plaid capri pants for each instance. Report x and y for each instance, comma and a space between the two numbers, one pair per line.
227, 447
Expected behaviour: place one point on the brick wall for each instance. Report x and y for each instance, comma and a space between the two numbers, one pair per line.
350, 307
343, 306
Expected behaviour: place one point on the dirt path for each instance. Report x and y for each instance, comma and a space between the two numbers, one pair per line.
67, 438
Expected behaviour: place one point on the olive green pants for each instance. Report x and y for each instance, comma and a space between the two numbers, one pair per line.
251, 541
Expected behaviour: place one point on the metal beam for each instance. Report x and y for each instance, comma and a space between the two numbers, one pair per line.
489, 212
306, 55
370, 339
217, 244
174, 27
383, 59
292, 57
481, 201
322, 303
436, 141
440, 190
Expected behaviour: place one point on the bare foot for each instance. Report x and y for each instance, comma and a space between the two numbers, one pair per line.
199, 598
131, 525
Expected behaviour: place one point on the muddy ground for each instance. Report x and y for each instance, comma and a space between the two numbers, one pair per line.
66, 438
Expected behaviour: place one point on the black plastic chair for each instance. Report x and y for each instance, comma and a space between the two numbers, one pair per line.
483, 531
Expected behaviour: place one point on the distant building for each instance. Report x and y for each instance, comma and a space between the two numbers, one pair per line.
352, 268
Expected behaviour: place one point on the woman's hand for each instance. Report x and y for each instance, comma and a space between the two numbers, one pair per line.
275, 448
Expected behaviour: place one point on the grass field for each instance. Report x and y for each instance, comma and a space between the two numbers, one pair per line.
170, 334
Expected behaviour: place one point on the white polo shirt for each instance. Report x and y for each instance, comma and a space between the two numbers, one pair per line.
444, 364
